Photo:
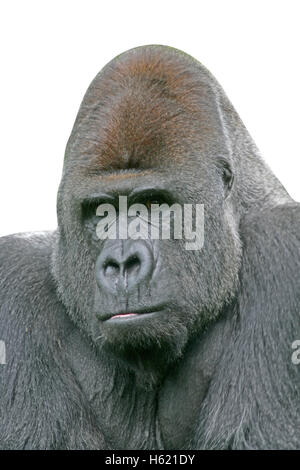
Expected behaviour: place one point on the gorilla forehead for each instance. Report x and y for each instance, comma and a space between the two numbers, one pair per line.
148, 107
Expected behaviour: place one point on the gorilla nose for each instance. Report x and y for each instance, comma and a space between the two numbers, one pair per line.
124, 266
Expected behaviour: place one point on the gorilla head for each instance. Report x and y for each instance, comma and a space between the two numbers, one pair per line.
149, 128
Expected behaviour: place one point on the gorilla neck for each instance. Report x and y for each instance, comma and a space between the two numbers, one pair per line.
149, 366
143, 396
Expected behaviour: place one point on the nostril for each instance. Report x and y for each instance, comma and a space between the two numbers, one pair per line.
132, 265
111, 269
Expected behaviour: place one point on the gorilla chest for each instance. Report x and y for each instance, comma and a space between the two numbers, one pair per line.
165, 418
135, 419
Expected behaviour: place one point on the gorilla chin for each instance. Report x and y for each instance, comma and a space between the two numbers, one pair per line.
148, 341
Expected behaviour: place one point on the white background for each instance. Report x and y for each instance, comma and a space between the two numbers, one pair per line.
51, 50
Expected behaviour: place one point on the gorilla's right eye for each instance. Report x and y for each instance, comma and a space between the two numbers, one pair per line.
89, 216
89, 206
88, 210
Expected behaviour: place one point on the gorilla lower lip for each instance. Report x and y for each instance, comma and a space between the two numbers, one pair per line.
132, 315
139, 313
124, 315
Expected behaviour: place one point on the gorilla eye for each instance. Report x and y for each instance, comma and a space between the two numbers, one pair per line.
149, 196
149, 202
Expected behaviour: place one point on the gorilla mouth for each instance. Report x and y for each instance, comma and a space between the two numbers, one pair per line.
123, 316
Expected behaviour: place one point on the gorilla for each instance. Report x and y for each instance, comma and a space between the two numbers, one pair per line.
141, 343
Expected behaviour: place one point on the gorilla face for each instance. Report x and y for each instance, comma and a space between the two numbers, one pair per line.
148, 129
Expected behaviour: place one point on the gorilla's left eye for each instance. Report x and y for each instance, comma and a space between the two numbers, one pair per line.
148, 197
149, 202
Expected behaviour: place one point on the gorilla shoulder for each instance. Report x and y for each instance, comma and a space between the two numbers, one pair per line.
25, 276
24, 261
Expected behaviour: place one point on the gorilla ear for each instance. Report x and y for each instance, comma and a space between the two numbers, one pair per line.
227, 176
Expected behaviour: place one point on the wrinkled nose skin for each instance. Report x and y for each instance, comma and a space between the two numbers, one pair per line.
124, 265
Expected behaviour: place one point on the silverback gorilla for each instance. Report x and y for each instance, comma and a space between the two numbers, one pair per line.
143, 344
